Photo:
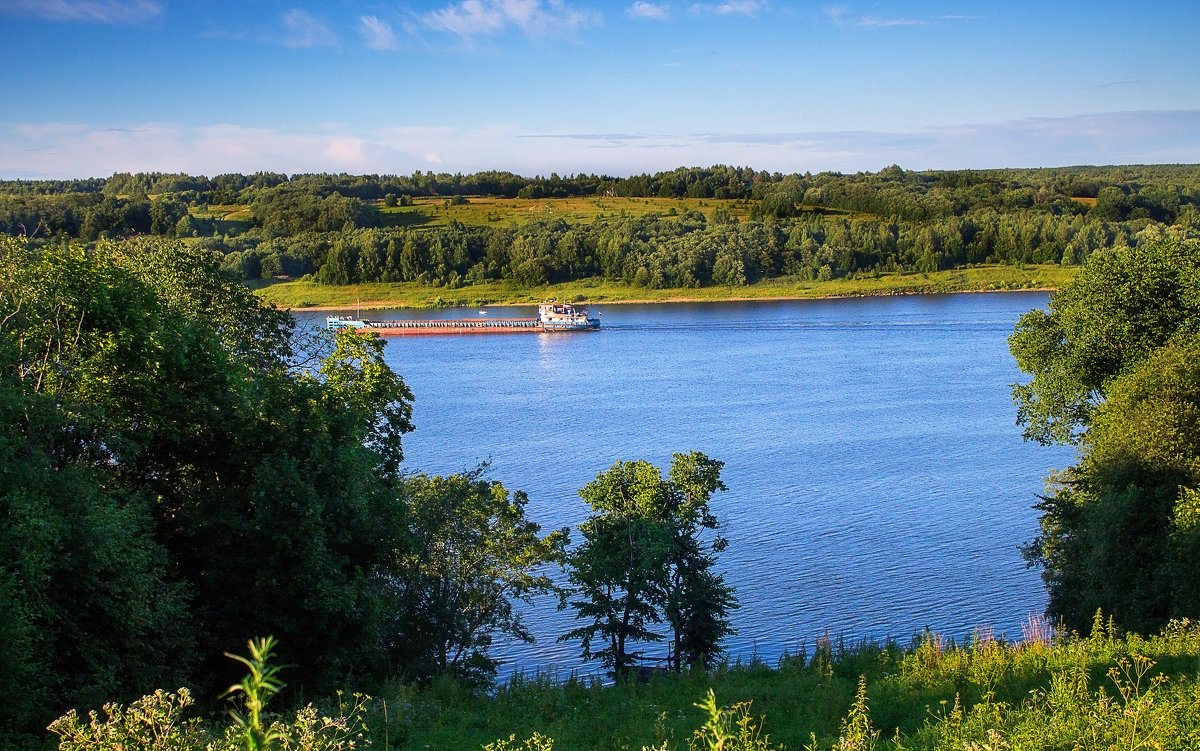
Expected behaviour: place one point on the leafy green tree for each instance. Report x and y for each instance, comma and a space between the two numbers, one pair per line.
1121, 530
468, 553
338, 268
187, 473
698, 599
1113, 370
642, 561
87, 605
1125, 303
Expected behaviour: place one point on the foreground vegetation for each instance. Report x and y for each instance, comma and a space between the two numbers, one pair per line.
310, 294
1107, 691
182, 466
183, 469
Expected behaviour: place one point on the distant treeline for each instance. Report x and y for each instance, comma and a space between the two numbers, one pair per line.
809, 226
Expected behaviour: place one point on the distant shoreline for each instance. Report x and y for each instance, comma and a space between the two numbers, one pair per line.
309, 295
399, 305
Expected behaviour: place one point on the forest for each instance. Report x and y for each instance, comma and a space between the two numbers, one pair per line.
733, 225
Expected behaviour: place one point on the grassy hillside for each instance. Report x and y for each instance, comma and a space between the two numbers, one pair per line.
298, 294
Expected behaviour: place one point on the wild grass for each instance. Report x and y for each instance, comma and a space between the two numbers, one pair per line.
1107, 691
1100, 693
306, 294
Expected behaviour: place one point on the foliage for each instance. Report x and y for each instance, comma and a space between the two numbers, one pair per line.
857, 732
260, 684
1108, 691
1123, 305
727, 728
642, 561
535, 742
1118, 530
685, 228
1102, 692
156, 721
467, 554
174, 477
87, 607
1114, 368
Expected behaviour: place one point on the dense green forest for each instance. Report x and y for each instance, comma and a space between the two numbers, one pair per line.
738, 225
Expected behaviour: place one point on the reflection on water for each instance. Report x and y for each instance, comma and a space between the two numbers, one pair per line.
877, 481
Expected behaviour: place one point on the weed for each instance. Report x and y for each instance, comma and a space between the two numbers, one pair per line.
727, 728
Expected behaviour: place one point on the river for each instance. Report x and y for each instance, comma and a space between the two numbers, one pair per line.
877, 482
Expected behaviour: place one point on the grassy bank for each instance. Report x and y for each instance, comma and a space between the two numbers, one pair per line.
1104, 692
299, 294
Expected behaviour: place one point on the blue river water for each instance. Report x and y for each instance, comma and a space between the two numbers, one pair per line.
877, 482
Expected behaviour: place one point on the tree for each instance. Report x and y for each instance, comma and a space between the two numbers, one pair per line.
184, 473
467, 554
1125, 303
1115, 370
1121, 530
643, 561
698, 600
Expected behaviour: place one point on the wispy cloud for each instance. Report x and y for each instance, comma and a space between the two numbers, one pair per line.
841, 16
97, 11
534, 18
729, 8
877, 21
648, 11
377, 34
303, 29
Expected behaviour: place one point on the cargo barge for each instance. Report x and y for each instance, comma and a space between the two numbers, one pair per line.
552, 316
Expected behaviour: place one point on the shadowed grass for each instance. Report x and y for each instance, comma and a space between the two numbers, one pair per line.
1126, 692
1103, 692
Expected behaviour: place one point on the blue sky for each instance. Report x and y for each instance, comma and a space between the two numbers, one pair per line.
94, 87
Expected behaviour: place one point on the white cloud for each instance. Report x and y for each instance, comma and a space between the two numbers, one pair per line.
729, 8
66, 150
648, 11
346, 150
377, 34
98, 11
471, 18
303, 29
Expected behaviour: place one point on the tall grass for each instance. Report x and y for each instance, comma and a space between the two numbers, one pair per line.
1109, 691
1045, 692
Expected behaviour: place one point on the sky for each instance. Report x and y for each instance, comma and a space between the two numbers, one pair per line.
93, 87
